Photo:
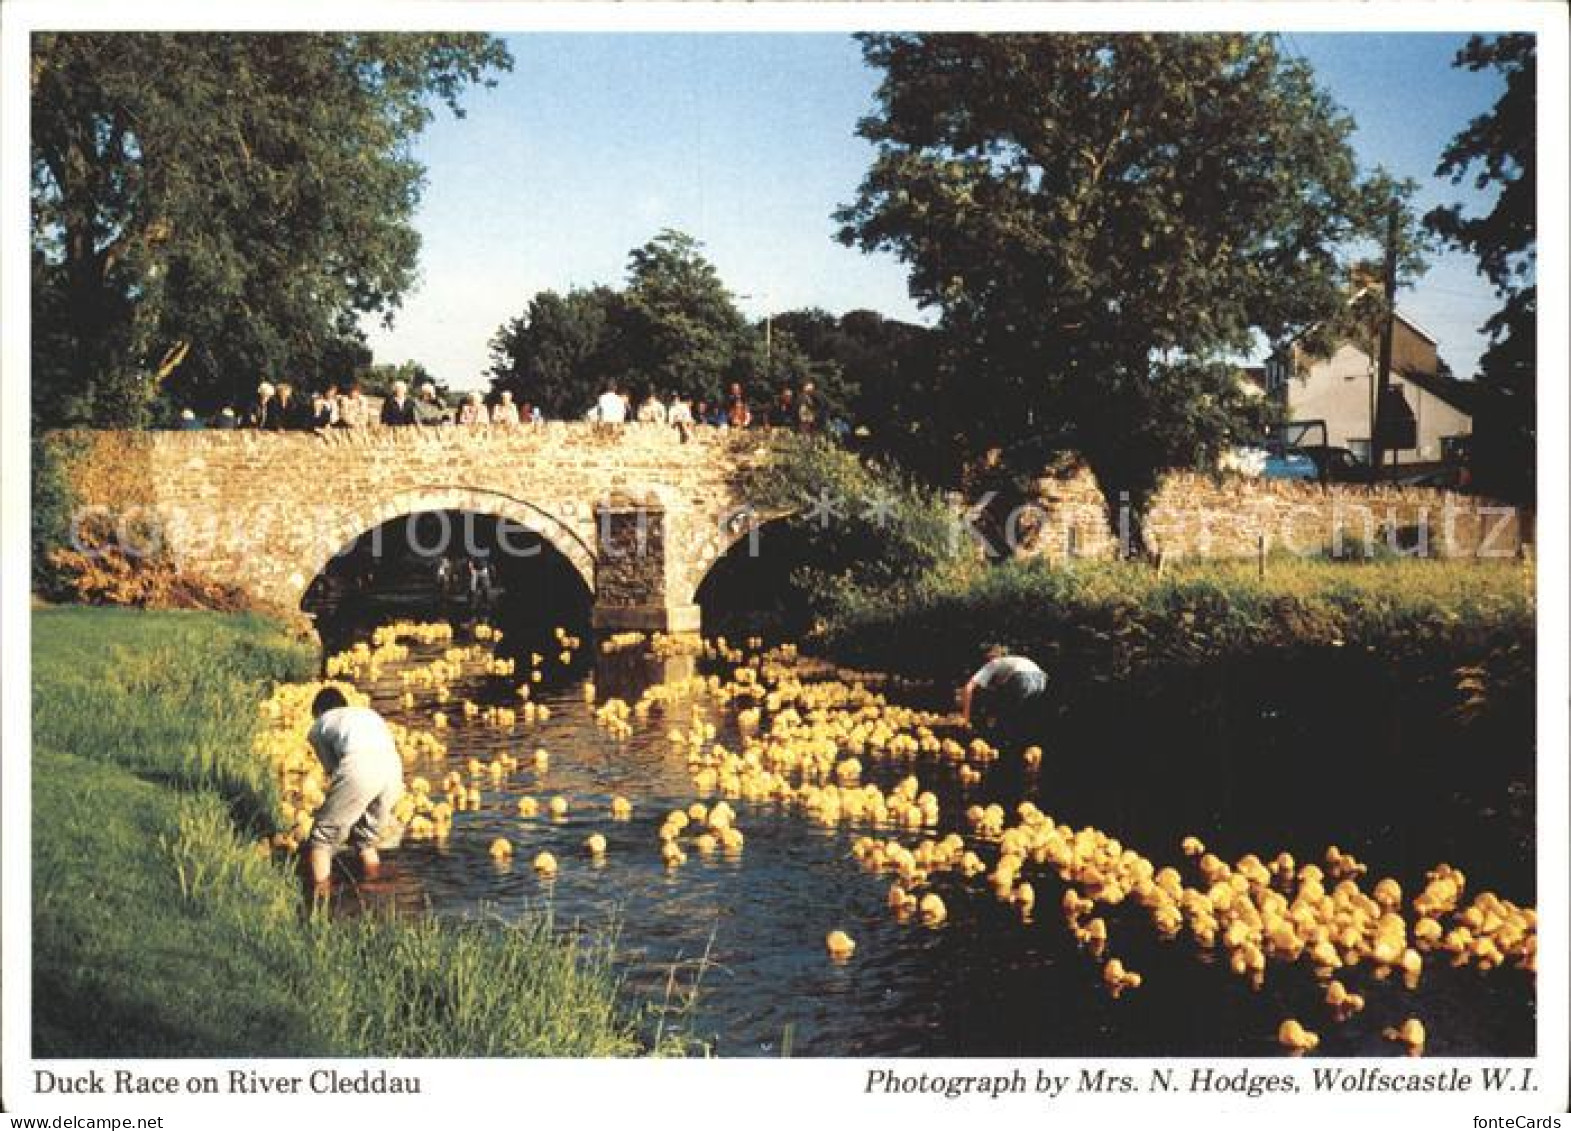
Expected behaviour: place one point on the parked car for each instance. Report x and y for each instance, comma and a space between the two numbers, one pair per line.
1338, 465
1289, 463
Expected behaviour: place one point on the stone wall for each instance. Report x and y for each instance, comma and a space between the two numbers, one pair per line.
642, 514
1197, 515
267, 511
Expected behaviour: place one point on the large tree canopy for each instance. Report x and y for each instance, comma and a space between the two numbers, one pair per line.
211, 209
1499, 150
1105, 222
674, 328
558, 354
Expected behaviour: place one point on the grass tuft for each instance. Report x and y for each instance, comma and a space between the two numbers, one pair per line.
162, 928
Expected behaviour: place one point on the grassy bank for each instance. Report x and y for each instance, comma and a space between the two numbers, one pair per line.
160, 929
1109, 622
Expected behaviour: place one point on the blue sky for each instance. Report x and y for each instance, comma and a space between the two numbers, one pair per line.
595, 142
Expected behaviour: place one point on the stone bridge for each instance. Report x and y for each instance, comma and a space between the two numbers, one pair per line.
640, 513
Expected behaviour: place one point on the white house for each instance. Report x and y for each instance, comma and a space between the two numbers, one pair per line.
1339, 391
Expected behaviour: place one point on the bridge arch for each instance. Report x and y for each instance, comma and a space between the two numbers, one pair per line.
358, 520
741, 576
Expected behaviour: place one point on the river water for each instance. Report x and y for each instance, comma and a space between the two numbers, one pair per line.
743, 934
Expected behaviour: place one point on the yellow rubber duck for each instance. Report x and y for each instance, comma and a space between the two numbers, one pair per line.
1292, 1035
595, 844
1118, 979
932, 909
501, 849
1342, 1001
621, 808
558, 807
528, 806
545, 864
839, 944
1410, 1033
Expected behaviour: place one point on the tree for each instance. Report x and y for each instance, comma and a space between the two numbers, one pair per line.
682, 328
1499, 150
883, 379
210, 209
674, 329
1105, 222
377, 380
560, 352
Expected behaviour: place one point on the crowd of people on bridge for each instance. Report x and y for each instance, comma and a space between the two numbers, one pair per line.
798, 409
277, 408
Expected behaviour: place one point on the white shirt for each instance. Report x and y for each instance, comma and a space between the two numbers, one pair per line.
357, 734
611, 408
1013, 672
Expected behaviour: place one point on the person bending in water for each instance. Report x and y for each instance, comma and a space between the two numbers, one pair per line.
1009, 688
367, 780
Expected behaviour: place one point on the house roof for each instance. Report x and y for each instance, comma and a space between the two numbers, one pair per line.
1460, 395
1416, 328
1405, 318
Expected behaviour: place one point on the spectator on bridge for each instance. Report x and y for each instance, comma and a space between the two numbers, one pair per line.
531, 414
1009, 689
807, 408
737, 412
353, 411
189, 422
680, 416
398, 411
612, 406
782, 412
226, 419
652, 411
366, 781
292, 413
473, 410
505, 412
324, 408
429, 409
264, 408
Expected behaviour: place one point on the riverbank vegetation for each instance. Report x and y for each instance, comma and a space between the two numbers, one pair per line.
894, 583
1468, 623
161, 928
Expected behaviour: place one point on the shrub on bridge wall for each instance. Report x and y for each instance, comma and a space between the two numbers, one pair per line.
866, 530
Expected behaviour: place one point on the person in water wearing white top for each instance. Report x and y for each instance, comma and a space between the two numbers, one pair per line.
366, 781
1008, 685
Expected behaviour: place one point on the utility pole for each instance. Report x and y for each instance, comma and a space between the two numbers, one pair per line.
769, 330
1377, 452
